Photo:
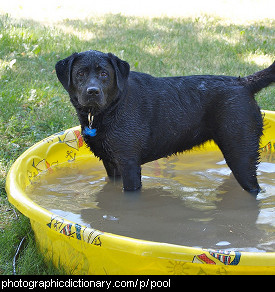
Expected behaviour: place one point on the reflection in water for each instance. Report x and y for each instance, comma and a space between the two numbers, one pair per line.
190, 199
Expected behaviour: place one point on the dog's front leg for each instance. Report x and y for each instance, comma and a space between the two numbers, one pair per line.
131, 175
111, 169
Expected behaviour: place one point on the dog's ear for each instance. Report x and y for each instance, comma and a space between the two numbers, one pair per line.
63, 70
122, 70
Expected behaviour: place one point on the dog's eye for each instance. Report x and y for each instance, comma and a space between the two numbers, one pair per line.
80, 73
103, 74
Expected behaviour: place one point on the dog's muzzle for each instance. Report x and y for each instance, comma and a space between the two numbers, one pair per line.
93, 91
92, 97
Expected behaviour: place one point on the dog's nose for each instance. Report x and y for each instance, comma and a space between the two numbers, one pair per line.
93, 91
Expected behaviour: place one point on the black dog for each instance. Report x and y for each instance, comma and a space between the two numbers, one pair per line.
130, 118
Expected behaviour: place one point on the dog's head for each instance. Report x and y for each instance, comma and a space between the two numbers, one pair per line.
93, 79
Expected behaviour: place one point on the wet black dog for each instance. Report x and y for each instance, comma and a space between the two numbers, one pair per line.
130, 118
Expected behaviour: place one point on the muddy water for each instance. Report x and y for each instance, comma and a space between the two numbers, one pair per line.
191, 199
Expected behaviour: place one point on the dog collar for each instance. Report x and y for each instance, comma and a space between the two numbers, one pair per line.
89, 131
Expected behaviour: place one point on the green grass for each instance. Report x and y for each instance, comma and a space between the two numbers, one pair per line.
33, 105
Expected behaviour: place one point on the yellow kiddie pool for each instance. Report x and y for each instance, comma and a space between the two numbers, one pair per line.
89, 226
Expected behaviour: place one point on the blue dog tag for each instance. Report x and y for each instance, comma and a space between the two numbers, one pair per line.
89, 132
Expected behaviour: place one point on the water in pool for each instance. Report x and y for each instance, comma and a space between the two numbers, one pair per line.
190, 199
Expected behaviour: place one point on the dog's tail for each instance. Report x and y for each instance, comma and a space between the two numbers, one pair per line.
259, 80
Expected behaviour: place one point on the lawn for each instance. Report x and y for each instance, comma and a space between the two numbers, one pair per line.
33, 105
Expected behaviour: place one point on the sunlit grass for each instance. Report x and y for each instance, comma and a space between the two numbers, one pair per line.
259, 59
